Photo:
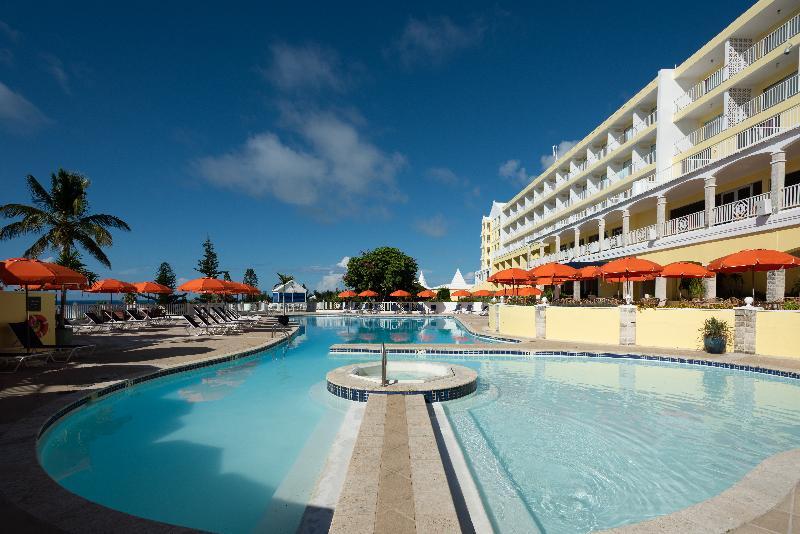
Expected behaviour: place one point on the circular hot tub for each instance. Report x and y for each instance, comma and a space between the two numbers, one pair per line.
436, 381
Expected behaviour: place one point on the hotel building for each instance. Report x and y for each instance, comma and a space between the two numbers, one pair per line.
703, 161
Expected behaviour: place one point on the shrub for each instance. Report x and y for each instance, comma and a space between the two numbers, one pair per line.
714, 328
791, 305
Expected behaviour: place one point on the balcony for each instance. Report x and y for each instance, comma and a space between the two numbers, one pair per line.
774, 96
687, 223
759, 49
743, 209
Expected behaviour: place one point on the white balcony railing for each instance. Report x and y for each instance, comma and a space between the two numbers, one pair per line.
775, 95
742, 209
640, 235
759, 49
687, 223
791, 196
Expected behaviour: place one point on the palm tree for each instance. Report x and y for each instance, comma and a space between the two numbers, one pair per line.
62, 217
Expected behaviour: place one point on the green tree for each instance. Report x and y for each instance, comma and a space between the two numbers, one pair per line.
208, 265
61, 216
251, 279
166, 277
284, 278
383, 269
226, 275
443, 295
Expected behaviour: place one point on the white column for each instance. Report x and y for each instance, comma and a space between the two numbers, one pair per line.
776, 285
576, 290
601, 230
626, 226
558, 243
710, 288
577, 246
661, 214
710, 190
777, 179
661, 290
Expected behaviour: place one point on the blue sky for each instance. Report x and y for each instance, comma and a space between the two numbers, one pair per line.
297, 135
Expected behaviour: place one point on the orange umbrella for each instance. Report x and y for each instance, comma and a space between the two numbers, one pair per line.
461, 293
55, 287
617, 279
25, 271
152, 287
400, 293
529, 292
347, 294
203, 285
427, 294
512, 276
588, 273
759, 259
110, 285
685, 269
368, 293
482, 293
503, 293
629, 267
553, 273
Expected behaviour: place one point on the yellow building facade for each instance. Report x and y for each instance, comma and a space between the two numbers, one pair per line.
703, 161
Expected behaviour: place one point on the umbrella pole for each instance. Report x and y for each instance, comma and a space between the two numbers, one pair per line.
753, 273
27, 323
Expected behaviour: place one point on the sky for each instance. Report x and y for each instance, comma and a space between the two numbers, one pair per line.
297, 135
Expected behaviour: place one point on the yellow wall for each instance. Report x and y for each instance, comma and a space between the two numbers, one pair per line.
492, 317
12, 310
778, 333
590, 325
676, 328
518, 320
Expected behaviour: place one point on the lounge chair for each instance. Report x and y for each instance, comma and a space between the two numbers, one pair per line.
110, 319
137, 315
99, 322
205, 317
197, 328
14, 360
58, 353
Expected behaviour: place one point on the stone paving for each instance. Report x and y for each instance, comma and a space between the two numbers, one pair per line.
396, 481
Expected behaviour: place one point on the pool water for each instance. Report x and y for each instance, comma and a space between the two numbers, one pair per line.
565, 445
554, 444
231, 448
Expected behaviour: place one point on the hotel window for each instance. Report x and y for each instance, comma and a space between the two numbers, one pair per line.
792, 178
616, 231
741, 193
628, 133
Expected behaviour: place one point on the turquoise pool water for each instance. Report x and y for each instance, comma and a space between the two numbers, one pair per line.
554, 444
230, 448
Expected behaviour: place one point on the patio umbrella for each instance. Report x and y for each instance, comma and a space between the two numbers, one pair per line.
685, 269
529, 292
427, 294
368, 293
551, 274
482, 293
400, 293
512, 277
347, 294
590, 272
204, 285
152, 287
461, 293
629, 268
111, 286
26, 272
759, 259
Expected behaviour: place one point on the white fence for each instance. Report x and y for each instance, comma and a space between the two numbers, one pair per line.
791, 196
687, 223
741, 209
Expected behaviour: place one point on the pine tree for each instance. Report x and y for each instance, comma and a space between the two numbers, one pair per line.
208, 265
250, 278
166, 277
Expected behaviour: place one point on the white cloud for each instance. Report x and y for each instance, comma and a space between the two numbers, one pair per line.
444, 175
6, 57
55, 67
330, 281
343, 262
17, 114
469, 277
435, 226
435, 39
515, 172
563, 148
305, 67
12, 34
334, 162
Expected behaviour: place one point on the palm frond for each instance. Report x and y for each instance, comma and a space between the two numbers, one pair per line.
39, 247
39, 194
106, 221
92, 248
15, 210
17, 229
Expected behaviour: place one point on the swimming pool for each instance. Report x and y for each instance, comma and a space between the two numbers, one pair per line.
556, 444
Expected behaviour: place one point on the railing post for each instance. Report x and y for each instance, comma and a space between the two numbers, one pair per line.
576, 245
601, 231
777, 179
710, 190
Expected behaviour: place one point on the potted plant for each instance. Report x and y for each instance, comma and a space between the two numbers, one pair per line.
715, 335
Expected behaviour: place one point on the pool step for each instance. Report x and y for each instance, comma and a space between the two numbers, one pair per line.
395, 481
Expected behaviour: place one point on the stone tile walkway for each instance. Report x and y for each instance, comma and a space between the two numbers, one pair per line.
396, 481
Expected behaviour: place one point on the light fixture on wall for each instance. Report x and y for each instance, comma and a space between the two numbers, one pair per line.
788, 49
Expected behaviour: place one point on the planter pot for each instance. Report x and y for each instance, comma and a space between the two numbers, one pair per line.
63, 336
283, 320
714, 345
